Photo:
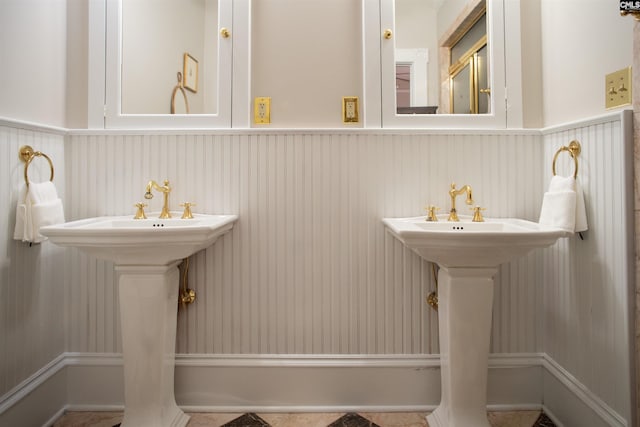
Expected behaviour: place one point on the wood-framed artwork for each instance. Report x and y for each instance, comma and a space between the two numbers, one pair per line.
190, 73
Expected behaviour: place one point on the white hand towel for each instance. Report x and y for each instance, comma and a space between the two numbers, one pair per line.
42, 192
43, 214
40, 206
559, 210
559, 184
23, 217
46, 207
581, 210
563, 205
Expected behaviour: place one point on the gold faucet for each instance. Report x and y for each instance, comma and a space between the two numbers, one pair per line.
165, 189
453, 215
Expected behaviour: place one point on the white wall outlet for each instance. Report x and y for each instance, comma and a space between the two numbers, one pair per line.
262, 110
350, 112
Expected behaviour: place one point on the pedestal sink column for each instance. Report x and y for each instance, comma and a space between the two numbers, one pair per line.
465, 300
148, 313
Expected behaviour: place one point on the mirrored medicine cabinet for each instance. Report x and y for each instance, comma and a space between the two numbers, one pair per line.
427, 63
442, 63
168, 63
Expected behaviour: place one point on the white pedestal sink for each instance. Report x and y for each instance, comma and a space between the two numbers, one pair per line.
468, 254
146, 253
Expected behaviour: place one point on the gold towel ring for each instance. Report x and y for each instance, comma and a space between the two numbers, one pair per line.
27, 155
573, 149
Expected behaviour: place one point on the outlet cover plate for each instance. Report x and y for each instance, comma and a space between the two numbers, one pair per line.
350, 113
618, 88
262, 110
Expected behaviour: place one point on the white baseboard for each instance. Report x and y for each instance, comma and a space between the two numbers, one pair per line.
333, 383
300, 383
552, 416
39, 399
568, 399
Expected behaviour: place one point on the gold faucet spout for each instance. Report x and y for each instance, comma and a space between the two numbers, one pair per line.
165, 190
453, 193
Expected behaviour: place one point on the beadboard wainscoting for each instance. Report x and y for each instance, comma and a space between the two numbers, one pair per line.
308, 286
32, 304
308, 268
589, 284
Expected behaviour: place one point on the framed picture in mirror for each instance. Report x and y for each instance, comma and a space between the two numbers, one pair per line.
190, 73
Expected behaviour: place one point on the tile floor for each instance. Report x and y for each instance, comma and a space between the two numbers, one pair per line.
363, 419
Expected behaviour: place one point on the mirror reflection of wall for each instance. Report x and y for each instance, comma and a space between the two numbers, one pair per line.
436, 27
403, 85
415, 31
155, 36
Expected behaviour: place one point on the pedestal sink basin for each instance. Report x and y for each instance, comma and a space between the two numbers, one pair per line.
468, 254
152, 241
146, 253
472, 244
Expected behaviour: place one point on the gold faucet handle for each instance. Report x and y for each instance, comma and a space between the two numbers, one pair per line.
431, 213
140, 212
477, 214
187, 210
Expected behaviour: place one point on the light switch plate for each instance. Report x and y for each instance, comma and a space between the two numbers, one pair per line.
350, 113
618, 88
262, 110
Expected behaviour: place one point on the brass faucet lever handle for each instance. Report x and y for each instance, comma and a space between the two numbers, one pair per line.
477, 214
187, 210
140, 212
431, 213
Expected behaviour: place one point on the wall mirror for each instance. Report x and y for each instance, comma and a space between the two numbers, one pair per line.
148, 43
442, 63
